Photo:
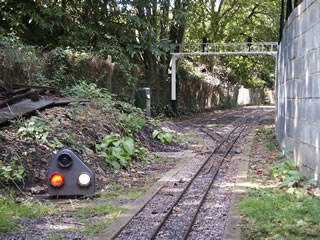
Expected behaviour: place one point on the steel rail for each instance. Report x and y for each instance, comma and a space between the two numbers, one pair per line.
215, 173
156, 231
224, 139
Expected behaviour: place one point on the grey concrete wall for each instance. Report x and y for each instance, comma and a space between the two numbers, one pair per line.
298, 88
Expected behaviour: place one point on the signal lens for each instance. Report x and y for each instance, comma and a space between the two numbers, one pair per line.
64, 161
56, 180
84, 179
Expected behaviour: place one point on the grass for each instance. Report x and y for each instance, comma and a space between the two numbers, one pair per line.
98, 210
56, 237
98, 226
278, 214
9, 210
119, 192
284, 212
269, 138
102, 215
109, 212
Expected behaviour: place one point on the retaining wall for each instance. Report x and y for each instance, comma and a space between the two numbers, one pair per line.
298, 88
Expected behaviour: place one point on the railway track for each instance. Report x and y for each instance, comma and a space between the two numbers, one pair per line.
172, 213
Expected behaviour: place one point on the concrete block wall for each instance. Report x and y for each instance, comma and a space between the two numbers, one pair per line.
298, 88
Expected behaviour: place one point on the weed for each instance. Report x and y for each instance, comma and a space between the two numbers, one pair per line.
98, 210
55, 144
77, 110
182, 139
91, 92
118, 192
269, 138
286, 171
36, 129
73, 143
131, 123
5, 223
9, 209
92, 228
190, 135
106, 209
275, 214
56, 237
119, 152
11, 169
165, 136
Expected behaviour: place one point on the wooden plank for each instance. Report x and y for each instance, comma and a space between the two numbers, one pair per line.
28, 106
21, 108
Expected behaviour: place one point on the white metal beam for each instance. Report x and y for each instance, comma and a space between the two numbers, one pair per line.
269, 49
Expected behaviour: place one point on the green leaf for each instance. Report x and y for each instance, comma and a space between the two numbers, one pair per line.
118, 152
114, 164
124, 161
168, 137
297, 174
101, 146
155, 133
103, 154
128, 145
109, 139
279, 154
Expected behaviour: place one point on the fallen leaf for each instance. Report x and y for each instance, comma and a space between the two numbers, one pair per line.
38, 189
176, 209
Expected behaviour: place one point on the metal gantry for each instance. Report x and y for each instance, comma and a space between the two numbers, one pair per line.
217, 49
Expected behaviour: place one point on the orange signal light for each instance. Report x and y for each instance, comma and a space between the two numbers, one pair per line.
56, 180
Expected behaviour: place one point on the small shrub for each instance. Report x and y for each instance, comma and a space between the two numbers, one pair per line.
286, 171
119, 152
131, 123
165, 136
36, 129
11, 168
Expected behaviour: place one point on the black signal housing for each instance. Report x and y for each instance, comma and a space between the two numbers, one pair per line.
70, 166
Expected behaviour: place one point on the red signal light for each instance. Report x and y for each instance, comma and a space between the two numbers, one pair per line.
56, 180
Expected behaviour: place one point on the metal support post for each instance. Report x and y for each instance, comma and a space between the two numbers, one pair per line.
174, 78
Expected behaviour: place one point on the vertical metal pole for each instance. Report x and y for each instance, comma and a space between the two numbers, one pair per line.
281, 20
289, 8
173, 79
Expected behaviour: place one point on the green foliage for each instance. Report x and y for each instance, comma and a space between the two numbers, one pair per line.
131, 123
91, 92
287, 171
72, 143
119, 192
11, 168
269, 138
119, 152
165, 136
99, 209
275, 214
9, 210
137, 34
6, 224
105, 209
55, 144
56, 237
19, 63
35, 129
77, 110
